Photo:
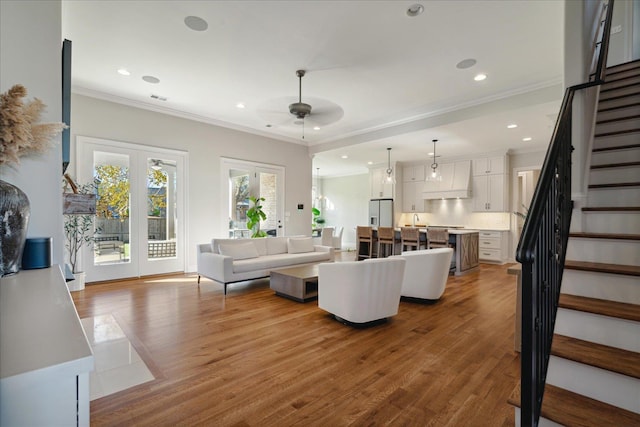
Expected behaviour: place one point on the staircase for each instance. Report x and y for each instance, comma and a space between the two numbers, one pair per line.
594, 370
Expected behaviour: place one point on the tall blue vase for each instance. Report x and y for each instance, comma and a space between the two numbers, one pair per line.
14, 219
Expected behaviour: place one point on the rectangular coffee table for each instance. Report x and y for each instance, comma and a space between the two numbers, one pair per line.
297, 283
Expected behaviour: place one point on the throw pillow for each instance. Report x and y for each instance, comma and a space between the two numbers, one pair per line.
239, 251
297, 246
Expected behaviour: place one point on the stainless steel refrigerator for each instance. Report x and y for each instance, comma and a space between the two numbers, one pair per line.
381, 212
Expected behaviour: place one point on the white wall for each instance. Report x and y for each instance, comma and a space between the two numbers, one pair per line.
346, 205
205, 144
30, 54
624, 45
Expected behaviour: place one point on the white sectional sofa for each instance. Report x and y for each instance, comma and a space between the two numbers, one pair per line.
234, 260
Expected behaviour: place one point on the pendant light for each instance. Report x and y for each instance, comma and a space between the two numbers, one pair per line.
435, 173
389, 178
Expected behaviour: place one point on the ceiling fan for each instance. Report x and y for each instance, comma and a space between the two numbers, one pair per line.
324, 112
300, 109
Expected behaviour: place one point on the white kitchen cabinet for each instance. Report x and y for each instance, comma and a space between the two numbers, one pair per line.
490, 193
490, 184
412, 200
413, 173
378, 188
493, 246
490, 165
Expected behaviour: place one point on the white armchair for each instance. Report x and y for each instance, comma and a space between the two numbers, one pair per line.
426, 273
358, 292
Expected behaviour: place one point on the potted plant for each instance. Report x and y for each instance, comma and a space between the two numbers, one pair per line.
255, 214
78, 230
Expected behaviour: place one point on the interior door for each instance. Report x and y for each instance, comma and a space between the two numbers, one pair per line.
138, 228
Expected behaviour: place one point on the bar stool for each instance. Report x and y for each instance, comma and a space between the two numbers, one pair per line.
364, 236
386, 236
410, 238
437, 238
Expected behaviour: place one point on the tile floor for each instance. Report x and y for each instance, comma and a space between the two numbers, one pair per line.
117, 364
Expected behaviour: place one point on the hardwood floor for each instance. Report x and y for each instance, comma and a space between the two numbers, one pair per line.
255, 359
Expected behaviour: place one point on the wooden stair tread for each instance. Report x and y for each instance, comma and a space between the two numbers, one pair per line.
617, 107
615, 185
625, 85
616, 132
613, 359
572, 409
598, 267
617, 97
619, 147
617, 119
620, 310
613, 236
625, 66
611, 209
615, 165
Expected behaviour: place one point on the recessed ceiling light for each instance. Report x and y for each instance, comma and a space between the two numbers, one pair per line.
344, 156
124, 72
316, 128
415, 10
151, 79
480, 77
466, 63
240, 105
369, 163
512, 126
196, 23
430, 154
527, 139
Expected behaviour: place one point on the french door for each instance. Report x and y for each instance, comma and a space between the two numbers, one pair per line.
241, 180
139, 226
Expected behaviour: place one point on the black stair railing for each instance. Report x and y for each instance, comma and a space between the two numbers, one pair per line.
543, 244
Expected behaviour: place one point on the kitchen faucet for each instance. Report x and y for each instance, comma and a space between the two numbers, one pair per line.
415, 218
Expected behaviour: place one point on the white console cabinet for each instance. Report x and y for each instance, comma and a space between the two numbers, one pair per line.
45, 358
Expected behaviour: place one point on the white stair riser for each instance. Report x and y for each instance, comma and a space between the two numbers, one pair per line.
619, 287
633, 110
618, 91
609, 222
615, 175
605, 330
635, 80
626, 124
606, 386
543, 422
619, 196
618, 102
616, 156
616, 140
608, 251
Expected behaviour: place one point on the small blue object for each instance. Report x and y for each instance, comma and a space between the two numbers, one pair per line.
37, 253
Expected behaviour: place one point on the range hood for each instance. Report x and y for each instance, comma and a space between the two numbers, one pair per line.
455, 183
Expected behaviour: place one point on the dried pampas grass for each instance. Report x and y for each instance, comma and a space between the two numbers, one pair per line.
20, 132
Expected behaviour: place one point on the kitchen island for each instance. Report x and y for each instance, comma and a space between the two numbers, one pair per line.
465, 249
465, 244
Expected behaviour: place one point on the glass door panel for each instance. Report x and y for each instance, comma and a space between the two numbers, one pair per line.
162, 217
238, 202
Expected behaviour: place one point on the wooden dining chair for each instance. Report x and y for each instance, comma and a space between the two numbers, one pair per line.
386, 236
364, 235
410, 238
